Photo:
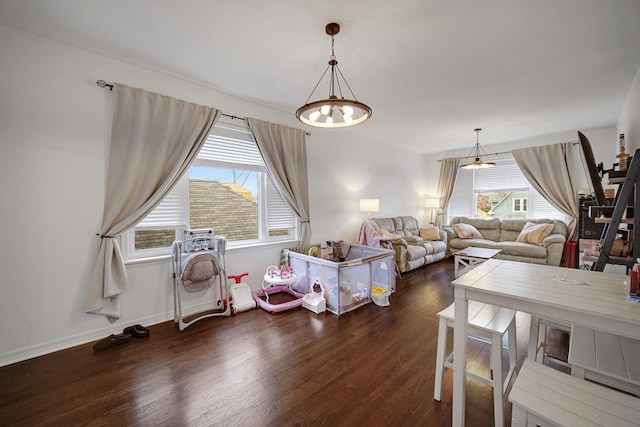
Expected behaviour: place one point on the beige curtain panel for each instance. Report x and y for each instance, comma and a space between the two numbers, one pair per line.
559, 187
446, 183
154, 140
284, 151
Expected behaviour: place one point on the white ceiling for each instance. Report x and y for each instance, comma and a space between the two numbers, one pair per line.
431, 70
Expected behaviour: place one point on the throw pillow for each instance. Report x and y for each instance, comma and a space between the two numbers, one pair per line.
389, 235
430, 233
534, 233
467, 231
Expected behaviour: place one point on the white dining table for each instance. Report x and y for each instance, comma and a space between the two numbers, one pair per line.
590, 298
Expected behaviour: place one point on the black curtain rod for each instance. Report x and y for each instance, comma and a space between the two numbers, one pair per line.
103, 84
493, 154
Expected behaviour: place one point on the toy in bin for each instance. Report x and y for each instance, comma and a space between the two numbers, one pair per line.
380, 296
315, 300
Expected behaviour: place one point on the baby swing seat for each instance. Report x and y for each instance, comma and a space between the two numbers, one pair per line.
198, 265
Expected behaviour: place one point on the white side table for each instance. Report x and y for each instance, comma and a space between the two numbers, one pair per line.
466, 259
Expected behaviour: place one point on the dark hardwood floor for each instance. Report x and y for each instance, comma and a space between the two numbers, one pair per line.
373, 366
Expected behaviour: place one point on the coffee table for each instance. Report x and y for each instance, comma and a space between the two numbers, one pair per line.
467, 259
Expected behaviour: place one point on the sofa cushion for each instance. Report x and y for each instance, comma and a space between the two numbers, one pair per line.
467, 231
388, 235
488, 227
510, 229
520, 249
534, 233
410, 225
435, 247
397, 226
385, 224
457, 244
416, 252
430, 233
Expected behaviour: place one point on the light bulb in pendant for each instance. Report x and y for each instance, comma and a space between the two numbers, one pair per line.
314, 116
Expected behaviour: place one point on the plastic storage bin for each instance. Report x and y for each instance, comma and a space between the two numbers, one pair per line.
346, 284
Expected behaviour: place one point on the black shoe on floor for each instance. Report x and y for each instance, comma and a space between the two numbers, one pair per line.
137, 331
111, 341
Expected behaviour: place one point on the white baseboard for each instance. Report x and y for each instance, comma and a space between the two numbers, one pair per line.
40, 349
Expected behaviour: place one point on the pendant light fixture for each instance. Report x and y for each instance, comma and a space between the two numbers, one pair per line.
336, 111
477, 163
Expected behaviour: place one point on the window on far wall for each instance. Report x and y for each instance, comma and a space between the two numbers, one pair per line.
228, 189
498, 192
519, 205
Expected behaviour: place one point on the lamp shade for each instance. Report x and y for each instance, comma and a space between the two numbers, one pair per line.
369, 205
432, 203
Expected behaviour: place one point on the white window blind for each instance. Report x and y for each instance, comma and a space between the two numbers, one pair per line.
171, 212
229, 145
232, 145
463, 200
280, 215
505, 176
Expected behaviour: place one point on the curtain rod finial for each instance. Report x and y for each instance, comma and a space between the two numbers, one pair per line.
103, 84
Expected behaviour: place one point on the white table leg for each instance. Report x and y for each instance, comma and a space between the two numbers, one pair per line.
460, 359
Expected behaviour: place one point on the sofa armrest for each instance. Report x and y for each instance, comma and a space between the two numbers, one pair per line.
554, 243
451, 233
553, 238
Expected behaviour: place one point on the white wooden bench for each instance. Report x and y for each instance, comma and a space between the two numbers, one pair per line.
547, 397
605, 358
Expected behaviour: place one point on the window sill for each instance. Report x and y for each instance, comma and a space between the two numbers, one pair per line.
230, 249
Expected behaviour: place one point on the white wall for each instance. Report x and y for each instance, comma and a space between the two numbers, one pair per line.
54, 134
629, 122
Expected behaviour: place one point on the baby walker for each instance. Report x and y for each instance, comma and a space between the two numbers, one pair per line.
241, 297
278, 280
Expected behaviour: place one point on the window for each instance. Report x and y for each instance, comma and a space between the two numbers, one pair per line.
519, 205
228, 189
500, 192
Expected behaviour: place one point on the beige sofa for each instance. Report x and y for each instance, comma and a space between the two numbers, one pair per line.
411, 250
503, 234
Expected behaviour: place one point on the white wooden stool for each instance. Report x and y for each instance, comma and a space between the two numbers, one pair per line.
487, 324
605, 358
542, 396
